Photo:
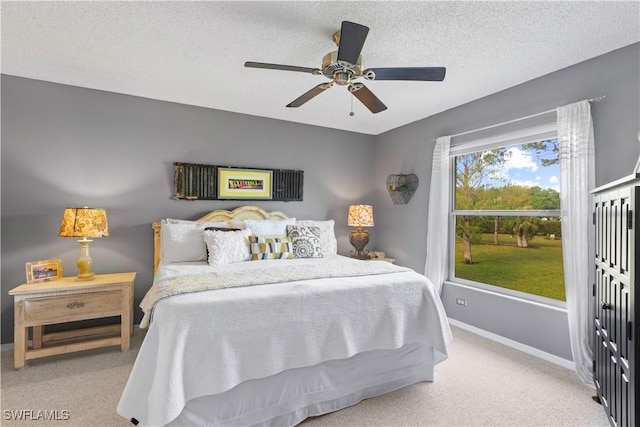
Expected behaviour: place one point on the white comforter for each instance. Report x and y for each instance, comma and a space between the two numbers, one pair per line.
205, 343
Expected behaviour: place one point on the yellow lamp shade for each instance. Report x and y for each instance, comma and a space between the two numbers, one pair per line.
84, 222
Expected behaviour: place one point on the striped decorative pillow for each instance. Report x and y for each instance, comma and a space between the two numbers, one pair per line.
270, 247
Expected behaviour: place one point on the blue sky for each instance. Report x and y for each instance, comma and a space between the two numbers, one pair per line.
522, 167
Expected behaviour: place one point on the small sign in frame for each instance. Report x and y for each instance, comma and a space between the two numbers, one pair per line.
244, 184
44, 271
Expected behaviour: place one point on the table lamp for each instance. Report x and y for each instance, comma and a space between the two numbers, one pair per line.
86, 223
360, 216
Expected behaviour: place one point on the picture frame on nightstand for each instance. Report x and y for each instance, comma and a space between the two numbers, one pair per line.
376, 254
380, 256
44, 271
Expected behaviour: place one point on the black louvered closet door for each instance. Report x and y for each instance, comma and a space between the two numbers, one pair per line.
616, 345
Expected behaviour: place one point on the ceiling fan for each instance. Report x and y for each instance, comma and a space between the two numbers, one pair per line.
344, 66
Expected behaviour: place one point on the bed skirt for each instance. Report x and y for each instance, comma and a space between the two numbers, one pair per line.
287, 398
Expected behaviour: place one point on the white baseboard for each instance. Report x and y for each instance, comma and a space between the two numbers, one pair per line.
515, 344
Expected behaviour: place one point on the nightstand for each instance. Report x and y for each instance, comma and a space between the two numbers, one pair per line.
69, 300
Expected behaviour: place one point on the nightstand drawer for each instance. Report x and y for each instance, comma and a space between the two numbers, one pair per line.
73, 307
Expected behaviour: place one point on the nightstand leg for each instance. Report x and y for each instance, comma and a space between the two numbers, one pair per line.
131, 314
19, 346
126, 319
38, 332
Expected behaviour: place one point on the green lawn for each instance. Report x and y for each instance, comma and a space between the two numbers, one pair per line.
535, 270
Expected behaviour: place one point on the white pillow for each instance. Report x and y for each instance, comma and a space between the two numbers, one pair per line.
232, 223
328, 241
272, 227
183, 242
179, 221
227, 247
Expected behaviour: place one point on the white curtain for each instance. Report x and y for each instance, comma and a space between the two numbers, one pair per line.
577, 178
438, 222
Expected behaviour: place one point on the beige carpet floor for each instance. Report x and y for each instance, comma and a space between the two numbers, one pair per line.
483, 383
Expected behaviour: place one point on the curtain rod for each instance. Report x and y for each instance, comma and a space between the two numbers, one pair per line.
590, 100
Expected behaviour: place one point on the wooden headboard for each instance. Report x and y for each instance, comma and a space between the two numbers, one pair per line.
241, 213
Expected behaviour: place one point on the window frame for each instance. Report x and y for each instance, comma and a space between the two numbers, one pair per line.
531, 134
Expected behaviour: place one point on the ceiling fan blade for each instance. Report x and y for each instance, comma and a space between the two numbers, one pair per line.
309, 95
352, 37
250, 64
367, 97
426, 74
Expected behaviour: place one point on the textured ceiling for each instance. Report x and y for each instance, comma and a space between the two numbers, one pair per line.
194, 52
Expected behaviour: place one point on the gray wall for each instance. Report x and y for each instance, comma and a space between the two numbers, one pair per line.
69, 146
401, 229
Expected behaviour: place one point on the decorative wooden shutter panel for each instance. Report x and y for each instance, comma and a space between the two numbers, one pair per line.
200, 182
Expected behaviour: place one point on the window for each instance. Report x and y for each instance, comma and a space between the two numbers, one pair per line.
505, 229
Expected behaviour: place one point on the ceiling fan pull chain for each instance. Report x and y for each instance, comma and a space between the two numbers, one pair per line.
351, 113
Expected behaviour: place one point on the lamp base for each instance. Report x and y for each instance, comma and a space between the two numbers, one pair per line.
359, 239
85, 262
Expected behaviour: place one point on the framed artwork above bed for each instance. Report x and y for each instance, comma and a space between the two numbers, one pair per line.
244, 184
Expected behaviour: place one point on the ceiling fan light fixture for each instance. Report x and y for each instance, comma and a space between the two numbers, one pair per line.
342, 78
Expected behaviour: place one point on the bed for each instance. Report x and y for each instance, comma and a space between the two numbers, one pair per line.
275, 340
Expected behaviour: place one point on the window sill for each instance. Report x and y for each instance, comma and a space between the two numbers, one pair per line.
510, 294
